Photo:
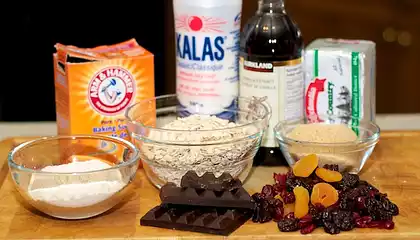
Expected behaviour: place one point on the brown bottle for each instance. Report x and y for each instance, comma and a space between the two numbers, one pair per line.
271, 51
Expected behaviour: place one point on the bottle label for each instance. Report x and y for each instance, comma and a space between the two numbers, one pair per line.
207, 54
282, 83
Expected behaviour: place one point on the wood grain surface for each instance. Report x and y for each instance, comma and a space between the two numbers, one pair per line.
394, 168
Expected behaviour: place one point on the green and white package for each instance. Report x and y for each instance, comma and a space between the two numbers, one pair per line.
340, 80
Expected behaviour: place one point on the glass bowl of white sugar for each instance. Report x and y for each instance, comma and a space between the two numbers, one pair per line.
74, 177
204, 134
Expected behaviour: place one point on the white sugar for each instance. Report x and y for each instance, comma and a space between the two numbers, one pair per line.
82, 193
83, 166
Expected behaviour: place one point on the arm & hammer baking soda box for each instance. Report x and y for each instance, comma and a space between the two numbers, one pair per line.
340, 80
95, 86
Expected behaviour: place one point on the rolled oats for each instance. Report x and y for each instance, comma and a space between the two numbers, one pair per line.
170, 154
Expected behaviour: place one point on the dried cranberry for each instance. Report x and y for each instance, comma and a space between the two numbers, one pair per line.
278, 188
374, 224
268, 191
264, 212
382, 224
308, 229
356, 215
261, 216
334, 206
257, 197
389, 225
360, 223
288, 197
305, 221
363, 221
266, 209
278, 213
278, 209
319, 207
280, 178
276, 202
290, 215
361, 202
263, 209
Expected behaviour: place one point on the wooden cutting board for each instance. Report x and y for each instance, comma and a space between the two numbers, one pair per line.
394, 168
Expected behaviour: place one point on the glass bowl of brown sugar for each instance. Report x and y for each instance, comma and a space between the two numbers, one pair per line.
344, 141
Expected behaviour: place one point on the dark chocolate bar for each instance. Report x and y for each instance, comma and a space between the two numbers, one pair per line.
210, 182
234, 198
220, 221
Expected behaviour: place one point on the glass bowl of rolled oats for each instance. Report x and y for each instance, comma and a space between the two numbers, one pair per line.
174, 139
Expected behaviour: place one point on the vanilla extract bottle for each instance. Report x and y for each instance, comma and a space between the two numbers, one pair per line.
271, 50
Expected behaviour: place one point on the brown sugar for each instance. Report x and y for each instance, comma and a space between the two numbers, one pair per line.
326, 139
323, 133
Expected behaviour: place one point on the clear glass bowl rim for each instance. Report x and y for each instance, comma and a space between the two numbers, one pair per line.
265, 104
135, 157
283, 139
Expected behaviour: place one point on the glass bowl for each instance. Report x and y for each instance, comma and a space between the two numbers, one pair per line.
349, 156
168, 153
42, 177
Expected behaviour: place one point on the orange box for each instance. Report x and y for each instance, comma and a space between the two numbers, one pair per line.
94, 86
